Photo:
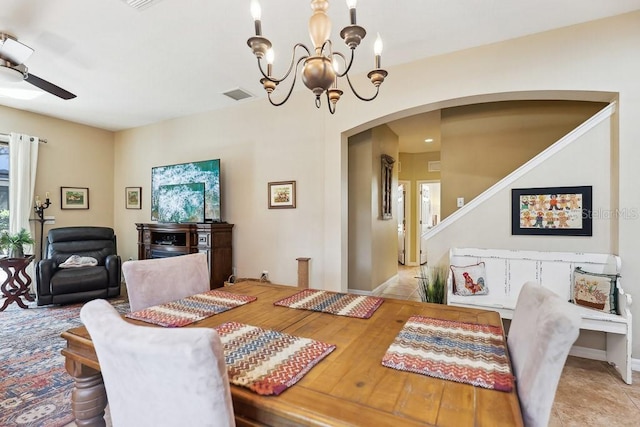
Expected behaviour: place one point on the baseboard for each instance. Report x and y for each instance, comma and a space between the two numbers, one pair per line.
594, 354
377, 291
588, 353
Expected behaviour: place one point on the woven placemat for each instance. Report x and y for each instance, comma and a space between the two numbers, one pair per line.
190, 309
359, 306
265, 361
457, 351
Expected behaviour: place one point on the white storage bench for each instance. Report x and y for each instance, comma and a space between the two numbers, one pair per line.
507, 270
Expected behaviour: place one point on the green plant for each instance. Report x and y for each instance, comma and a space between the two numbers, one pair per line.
13, 243
432, 284
4, 220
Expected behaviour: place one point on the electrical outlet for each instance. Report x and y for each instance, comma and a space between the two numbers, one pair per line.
460, 202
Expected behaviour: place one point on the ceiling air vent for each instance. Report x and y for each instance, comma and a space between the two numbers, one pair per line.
141, 4
238, 94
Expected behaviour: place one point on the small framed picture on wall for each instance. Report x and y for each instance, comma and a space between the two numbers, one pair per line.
74, 198
133, 197
282, 195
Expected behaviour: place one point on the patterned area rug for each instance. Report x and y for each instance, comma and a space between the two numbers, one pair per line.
456, 351
35, 389
191, 309
350, 305
268, 362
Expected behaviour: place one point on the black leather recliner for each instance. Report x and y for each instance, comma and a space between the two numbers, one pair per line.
56, 285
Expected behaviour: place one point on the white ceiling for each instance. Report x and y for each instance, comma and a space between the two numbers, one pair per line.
130, 68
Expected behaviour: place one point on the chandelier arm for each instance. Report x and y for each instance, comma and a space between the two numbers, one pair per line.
293, 84
293, 58
358, 95
347, 67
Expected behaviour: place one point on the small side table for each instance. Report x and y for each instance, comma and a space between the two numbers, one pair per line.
17, 283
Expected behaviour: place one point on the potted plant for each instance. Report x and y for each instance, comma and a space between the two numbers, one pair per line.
13, 243
432, 284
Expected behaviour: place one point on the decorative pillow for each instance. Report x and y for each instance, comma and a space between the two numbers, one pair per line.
79, 261
469, 279
595, 290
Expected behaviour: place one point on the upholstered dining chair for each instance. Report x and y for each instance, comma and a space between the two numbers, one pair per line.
157, 281
542, 331
159, 376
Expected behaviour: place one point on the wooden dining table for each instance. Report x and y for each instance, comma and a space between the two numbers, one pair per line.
349, 387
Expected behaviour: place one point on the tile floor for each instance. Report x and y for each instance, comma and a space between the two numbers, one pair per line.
590, 392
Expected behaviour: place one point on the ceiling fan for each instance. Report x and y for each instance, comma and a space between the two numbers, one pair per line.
12, 68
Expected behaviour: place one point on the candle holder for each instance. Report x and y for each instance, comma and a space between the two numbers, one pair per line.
39, 208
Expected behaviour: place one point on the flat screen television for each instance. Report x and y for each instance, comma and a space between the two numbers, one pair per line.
181, 202
206, 172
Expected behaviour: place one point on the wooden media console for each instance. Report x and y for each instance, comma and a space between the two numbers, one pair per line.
160, 240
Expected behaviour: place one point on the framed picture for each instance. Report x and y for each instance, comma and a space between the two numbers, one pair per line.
74, 198
282, 195
386, 190
133, 197
551, 211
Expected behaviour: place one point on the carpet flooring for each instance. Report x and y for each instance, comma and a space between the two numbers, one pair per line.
35, 388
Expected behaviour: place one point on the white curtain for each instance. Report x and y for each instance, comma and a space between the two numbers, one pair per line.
23, 162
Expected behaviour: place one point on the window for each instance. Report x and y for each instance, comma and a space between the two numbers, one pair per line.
4, 186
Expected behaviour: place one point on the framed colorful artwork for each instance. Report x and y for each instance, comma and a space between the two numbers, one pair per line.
133, 197
551, 211
282, 195
74, 198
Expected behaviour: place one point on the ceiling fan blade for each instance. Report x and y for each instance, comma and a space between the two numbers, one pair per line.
48, 87
13, 51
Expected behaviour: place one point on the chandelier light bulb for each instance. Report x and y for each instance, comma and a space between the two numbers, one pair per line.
351, 4
256, 10
377, 46
270, 56
377, 50
256, 13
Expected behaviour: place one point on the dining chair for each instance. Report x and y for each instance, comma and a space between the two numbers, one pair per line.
159, 376
156, 281
542, 331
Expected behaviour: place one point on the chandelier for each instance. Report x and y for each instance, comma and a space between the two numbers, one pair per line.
320, 65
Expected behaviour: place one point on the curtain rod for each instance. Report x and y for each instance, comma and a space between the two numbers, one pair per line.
6, 136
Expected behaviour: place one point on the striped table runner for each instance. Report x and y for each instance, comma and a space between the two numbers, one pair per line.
340, 304
451, 350
190, 309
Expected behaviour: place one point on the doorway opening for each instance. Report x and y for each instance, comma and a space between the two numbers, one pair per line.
428, 213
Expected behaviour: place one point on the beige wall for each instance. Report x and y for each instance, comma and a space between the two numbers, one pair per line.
482, 143
373, 242
74, 156
361, 201
384, 259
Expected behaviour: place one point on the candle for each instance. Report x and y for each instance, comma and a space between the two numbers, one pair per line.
377, 49
351, 4
38, 201
256, 12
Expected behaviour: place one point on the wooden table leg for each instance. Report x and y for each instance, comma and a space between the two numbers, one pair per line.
89, 397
